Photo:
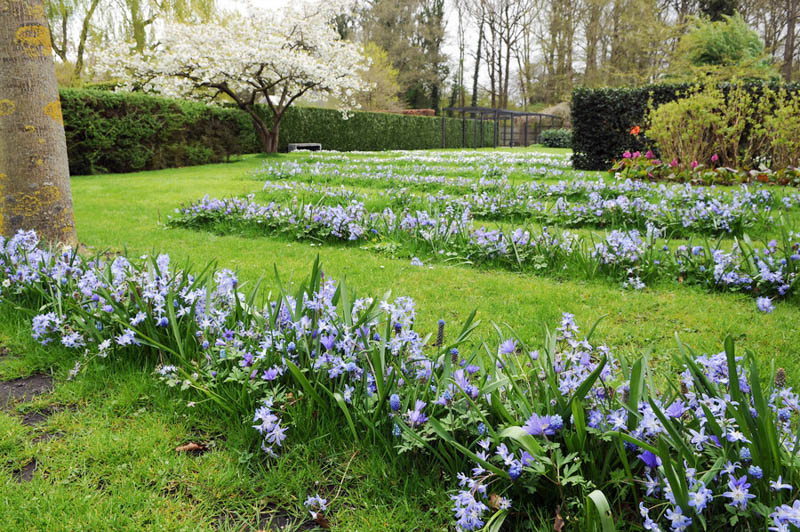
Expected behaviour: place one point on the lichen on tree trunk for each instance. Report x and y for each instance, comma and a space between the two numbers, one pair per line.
34, 172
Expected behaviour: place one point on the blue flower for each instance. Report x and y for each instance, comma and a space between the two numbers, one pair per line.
543, 425
680, 522
508, 347
700, 498
650, 460
739, 492
394, 402
765, 304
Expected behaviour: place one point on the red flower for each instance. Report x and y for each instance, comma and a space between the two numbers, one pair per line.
635, 130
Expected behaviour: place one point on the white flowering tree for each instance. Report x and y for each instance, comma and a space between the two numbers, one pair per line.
262, 57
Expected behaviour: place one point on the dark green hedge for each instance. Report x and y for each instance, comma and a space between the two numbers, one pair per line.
602, 120
124, 132
557, 138
373, 131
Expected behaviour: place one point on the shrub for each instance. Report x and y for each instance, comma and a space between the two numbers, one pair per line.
557, 138
724, 49
783, 129
376, 131
689, 129
602, 119
739, 129
123, 132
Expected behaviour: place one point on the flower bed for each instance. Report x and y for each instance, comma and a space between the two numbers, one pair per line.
627, 256
647, 167
678, 210
561, 429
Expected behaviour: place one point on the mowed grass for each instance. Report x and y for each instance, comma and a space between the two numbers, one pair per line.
113, 465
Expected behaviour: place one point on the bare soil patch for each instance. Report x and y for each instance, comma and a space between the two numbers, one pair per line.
24, 389
25, 474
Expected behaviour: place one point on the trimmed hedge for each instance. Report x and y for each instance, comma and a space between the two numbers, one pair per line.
373, 131
557, 138
124, 132
602, 120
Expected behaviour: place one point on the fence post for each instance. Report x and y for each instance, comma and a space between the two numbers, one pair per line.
444, 134
463, 129
526, 131
539, 130
475, 130
496, 131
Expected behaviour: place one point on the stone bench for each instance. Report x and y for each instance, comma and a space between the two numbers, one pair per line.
310, 146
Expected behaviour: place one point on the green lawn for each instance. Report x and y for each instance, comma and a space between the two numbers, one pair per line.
112, 464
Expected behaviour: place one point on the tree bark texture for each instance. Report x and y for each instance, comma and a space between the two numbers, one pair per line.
34, 174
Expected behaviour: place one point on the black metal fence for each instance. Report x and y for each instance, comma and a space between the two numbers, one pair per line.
510, 128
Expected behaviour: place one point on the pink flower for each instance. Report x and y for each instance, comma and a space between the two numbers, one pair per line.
636, 155
627, 155
694, 164
649, 154
656, 162
674, 163
714, 158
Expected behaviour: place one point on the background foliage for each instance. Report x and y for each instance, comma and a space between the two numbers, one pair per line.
123, 132
603, 119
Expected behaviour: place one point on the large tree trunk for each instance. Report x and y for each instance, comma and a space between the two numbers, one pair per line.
34, 174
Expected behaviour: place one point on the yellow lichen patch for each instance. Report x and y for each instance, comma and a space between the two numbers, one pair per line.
7, 107
34, 39
49, 194
30, 128
53, 110
2, 176
35, 11
38, 161
27, 205
40, 140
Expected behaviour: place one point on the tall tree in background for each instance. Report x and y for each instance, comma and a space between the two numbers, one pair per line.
66, 17
34, 174
476, 9
412, 33
789, 48
717, 9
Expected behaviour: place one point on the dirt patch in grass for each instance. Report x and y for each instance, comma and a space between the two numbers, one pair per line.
270, 518
31, 419
25, 474
25, 388
47, 436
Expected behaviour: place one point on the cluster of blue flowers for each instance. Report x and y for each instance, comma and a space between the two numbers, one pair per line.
700, 456
529, 419
625, 254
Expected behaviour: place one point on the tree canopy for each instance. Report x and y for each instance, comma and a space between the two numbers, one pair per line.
258, 58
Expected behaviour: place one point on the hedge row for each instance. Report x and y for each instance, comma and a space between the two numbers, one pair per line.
602, 120
123, 132
373, 131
